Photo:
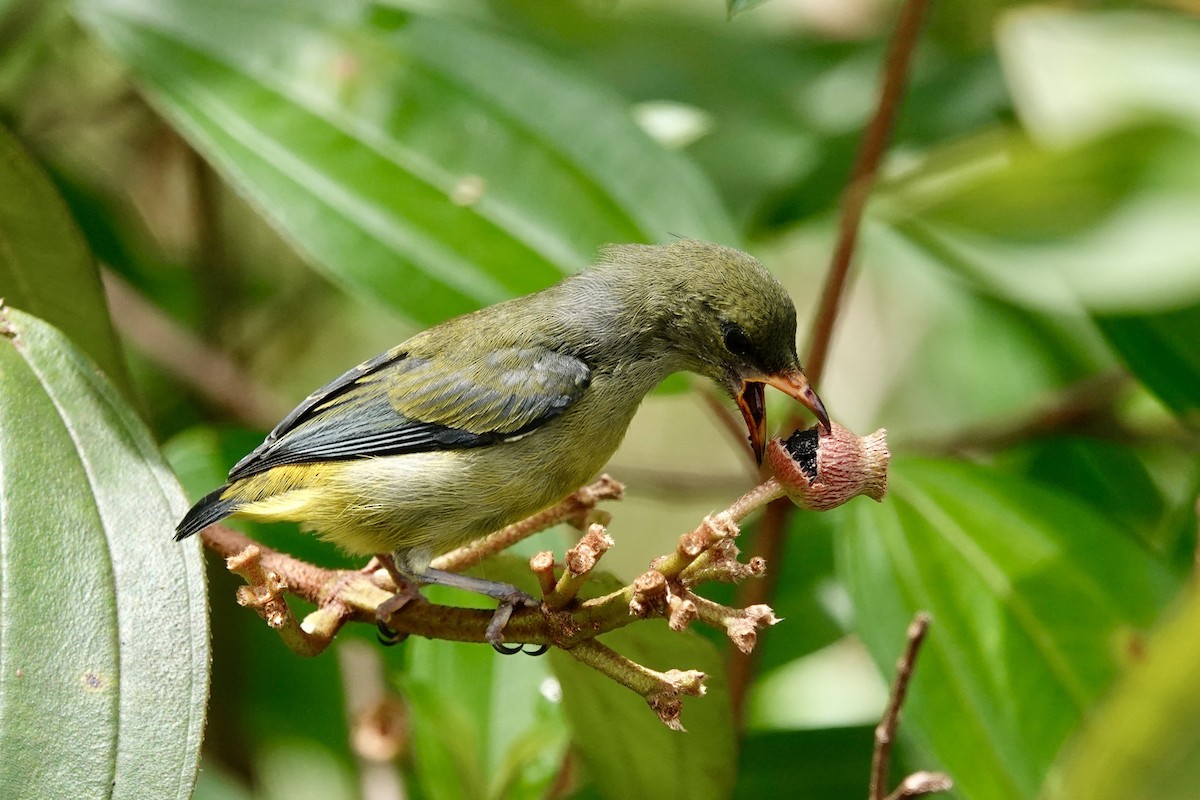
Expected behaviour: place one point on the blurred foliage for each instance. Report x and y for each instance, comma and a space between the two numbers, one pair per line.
298, 185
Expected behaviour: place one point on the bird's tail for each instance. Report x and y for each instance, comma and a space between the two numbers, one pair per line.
211, 508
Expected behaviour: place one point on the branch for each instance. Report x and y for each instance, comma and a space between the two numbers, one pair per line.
205, 370
663, 690
377, 721
1084, 405
854, 199
918, 784
562, 620
578, 507
862, 179
815, 468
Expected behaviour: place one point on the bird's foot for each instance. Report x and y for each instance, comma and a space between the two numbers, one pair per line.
508, 596
387, 635
495, 628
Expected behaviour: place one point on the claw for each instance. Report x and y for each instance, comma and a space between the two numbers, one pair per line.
387, 637
512, 649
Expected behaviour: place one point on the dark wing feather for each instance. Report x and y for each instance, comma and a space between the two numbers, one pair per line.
400, 403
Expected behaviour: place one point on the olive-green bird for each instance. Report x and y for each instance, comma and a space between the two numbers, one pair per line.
492, 416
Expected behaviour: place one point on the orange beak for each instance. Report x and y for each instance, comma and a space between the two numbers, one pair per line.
752, 403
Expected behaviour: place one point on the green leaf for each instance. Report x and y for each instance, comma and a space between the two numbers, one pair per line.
483, 724
1143, 743
1107, 475
427, 163
806, 572
825, 763
45, 267
735, 7
1110, 230
647, 759
1037, 603
103, 618
1161, 350
1074, 75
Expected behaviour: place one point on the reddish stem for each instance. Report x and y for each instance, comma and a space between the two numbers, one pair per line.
854, 199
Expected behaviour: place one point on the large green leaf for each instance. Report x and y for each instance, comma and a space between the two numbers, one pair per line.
1112, 149
627, 750
817, 764
1162, 350
1076, 74
1110, 228
429, 163
1037, 603
45, 267
103, 618
1144, 743
1107, 475
484, 725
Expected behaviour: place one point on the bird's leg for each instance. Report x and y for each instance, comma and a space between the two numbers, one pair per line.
508, 596
406, 590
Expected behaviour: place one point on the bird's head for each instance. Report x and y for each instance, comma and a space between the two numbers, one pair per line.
727, 318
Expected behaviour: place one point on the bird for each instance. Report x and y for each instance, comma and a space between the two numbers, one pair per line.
494, 415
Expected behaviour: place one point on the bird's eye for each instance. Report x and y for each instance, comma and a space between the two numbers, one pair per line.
736, 340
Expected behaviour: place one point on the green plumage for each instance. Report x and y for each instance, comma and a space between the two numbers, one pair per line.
492, 416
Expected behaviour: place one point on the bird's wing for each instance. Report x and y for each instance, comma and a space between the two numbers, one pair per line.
406, 403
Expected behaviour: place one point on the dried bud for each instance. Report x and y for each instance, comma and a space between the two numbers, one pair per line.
820, 470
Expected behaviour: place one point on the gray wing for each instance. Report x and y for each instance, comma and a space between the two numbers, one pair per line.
402, 403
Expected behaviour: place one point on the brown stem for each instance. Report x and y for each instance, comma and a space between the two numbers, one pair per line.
770, 549
564, 621
577, 505
1084, 405
663, 691
854, 199
581, 560
920, 783
263, 592
377, 721
862, 179
208, 372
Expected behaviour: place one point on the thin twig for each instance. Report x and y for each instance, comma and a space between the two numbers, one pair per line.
205, 370
920, 783
1085, 404
866, 167
377, 721
862, 179
577, 505
263, 592
663, 690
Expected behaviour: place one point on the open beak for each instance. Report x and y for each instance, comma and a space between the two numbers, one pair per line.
752, 403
